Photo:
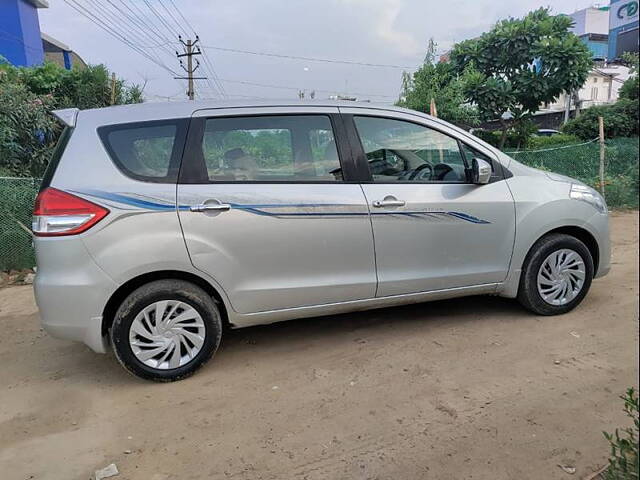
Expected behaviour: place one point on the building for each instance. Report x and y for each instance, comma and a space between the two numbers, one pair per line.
623, 27
57, 52
592, 26
601, 87
21, 41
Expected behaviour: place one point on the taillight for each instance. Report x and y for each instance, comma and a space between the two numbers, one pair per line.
60, 213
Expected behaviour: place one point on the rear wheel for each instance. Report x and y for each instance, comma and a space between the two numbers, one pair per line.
556, 275
166, 330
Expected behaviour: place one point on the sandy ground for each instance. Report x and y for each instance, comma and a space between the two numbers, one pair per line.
469, 388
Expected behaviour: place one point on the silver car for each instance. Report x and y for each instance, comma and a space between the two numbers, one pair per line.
158, 225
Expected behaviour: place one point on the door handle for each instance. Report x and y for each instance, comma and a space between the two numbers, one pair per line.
210, 207
388, 202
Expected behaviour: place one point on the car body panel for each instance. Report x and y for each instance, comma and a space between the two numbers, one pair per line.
282, 245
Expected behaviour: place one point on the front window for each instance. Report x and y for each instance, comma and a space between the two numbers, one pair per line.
399, 151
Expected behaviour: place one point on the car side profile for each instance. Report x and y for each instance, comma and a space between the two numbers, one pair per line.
159, 224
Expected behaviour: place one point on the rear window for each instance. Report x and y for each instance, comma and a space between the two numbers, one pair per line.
55, 157
148, 151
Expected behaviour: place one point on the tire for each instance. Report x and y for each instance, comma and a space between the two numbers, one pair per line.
189, 331
556, 244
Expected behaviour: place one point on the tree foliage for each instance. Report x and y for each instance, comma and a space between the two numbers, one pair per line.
631, 87
28, 132
437, 81
521, 64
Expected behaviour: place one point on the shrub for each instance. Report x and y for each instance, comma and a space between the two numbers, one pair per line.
620, 120
557, 140
624, 459
27, 131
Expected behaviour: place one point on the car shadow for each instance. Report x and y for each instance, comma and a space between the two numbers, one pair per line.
77, 365
444, 313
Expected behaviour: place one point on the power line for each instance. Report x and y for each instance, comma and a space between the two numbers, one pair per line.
207, 63
141, 23
308, 59
183, 17
114, 33
289, 87
162, 20
180, 27
116, 20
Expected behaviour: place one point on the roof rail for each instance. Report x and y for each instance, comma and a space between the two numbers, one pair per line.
67, 116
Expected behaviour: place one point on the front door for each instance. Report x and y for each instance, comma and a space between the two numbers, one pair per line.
433, 229
266, 211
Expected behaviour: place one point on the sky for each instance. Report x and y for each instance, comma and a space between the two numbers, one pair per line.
389, 32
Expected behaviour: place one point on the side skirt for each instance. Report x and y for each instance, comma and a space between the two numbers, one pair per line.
272, 316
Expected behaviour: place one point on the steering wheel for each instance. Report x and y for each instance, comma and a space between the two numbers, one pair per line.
419, 169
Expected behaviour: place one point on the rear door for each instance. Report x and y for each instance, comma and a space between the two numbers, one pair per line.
433, 228
268, 210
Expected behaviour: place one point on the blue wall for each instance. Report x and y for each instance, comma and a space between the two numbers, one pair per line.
613, 33
20, 41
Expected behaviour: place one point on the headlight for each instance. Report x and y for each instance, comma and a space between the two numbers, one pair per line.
589, 195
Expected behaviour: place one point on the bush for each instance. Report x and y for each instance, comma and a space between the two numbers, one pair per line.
620, 120
27, 132
560, 139
624, 462
524, 137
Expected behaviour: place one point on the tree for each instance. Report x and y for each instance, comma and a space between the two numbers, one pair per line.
437, 81
631, 87
519, 65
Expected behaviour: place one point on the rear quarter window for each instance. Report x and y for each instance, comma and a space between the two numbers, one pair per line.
63, 141
146, 151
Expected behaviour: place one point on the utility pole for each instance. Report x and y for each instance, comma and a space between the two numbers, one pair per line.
189, 52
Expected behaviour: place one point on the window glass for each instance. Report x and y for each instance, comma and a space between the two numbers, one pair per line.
277, 148
402, 151
143, 151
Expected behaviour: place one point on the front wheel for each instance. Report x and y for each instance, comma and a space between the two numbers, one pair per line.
166, 330
556, 275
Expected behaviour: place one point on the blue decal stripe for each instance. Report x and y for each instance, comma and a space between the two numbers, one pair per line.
468, 218
135, 202
257, 209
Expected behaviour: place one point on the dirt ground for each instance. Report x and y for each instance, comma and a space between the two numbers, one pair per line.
466, 389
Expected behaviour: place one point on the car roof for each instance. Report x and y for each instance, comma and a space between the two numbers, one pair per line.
163, 110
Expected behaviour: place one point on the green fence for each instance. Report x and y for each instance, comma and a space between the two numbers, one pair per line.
16, 204
580, 161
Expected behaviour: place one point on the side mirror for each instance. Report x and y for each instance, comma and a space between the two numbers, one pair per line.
480, 171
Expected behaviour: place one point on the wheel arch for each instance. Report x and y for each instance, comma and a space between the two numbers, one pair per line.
129, 286
581, 234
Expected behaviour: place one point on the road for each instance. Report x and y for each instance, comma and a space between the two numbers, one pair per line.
473, 388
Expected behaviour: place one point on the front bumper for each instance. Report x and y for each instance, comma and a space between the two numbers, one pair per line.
71, 291
599, 227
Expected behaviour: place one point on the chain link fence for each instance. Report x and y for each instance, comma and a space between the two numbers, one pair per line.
581, 161
16, 204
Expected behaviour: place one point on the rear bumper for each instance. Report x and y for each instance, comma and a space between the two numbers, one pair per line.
71, 291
